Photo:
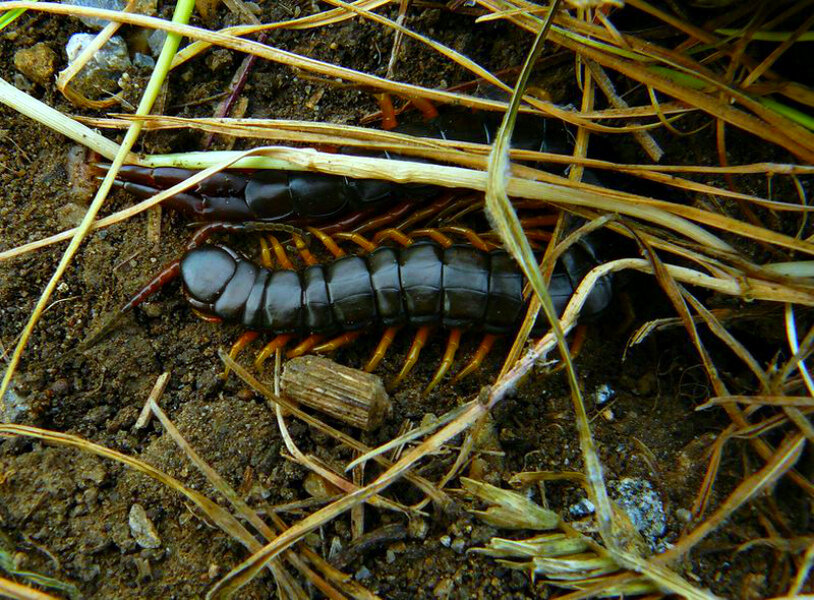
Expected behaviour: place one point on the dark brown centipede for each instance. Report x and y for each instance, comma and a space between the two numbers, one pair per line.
424, 284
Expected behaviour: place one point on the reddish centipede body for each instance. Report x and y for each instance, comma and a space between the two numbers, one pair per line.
308, 198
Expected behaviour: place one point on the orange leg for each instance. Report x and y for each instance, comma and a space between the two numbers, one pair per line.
433, 234
480, 354
265, 253
280, 253
388, 112
205, 317
426, 107
575, 347
446, 362
337, 342
437, 207
305, 346
302, 248
378, 354
412, 358
246, 338
327, 241
472, 237
278, 342
357, 238
393, 234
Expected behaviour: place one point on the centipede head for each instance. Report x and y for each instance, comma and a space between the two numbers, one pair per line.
205, 271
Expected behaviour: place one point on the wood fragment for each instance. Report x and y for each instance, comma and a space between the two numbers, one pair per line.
350, 395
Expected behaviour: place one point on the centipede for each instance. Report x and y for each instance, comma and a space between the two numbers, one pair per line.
304, 198
425, 281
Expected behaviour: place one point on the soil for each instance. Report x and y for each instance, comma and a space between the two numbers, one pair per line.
64, 513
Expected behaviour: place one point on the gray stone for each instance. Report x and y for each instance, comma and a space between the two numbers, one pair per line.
100, 75
142, 529
144, 7
643, 506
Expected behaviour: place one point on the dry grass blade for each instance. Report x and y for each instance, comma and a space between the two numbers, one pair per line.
438, 496
18, 591
242, 508
781, 461
55, 120
801, 401
246, 571
217, 514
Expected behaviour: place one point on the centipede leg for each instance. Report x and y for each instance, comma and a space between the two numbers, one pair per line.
308, 258
388, 111
393, 234
337, 342
358, 239
265, 253
280, 253
412, 216
378, 354
485, 346
305, 346
446, 362
412, 357
434, 235
278, 342
246, 338
472, 237
327, 241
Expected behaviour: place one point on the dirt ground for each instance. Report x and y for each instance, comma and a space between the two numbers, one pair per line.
64, 513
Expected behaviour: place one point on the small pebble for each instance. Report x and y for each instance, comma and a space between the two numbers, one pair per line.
458, 545
445, 540
362, 574
603, 393
142, 61
417, 528
13, 408
142, 529
583, 508
683, 515
37, 63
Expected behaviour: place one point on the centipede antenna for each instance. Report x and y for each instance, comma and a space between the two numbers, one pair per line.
167, 274
446, 362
